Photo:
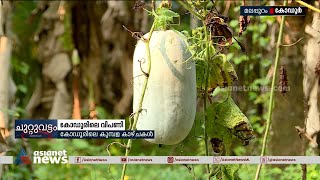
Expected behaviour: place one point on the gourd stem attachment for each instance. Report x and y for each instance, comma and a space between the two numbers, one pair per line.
136, 115
186, 6
270, 107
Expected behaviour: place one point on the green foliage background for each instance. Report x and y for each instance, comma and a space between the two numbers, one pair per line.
25, 69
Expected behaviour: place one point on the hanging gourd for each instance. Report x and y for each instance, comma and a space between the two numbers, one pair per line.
169, 104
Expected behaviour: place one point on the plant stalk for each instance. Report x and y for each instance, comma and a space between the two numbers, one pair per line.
308, 6
271, 100
136, 116
206, 94
187, 7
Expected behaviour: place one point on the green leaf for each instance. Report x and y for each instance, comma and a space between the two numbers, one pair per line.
234, 23
252, 96
22, 88
200, 74
227, 115
220, 92
102, 113
230, 171
215, 75
236, 8
258, 128
263, 98
266, 62
261, 81
221, 72
267, 19
164, 17
230, 56
255, 37
239, 59
167, 12
24, 68
263, 42
80, 144
262, 28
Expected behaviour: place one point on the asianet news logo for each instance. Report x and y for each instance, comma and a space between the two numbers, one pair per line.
22, 158
50, 157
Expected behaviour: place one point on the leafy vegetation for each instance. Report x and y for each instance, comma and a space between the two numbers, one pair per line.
222, 59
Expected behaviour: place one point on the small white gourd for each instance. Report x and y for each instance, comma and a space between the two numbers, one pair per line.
169, 104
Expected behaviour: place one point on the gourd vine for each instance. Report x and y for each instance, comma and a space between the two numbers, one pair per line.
222, 119
136, 114
162, 19
271, 101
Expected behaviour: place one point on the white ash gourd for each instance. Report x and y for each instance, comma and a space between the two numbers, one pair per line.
169, 104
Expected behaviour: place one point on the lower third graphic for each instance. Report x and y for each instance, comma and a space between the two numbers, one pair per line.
77, 160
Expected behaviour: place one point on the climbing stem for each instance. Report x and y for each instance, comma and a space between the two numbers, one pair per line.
190, 9
206, 93
139, 109
271, 100
308, 6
